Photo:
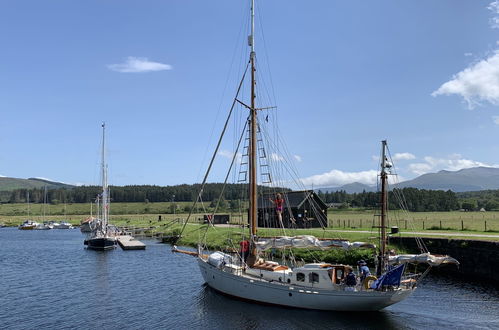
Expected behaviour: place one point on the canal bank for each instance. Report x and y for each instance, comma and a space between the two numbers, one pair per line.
479, 260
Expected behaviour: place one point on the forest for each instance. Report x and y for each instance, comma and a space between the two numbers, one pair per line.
413, 199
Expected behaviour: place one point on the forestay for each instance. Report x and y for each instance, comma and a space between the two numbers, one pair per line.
424, 258
308, 241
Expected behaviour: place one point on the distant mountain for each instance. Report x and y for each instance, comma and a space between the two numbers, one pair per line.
469, 179
10, 184
350, 188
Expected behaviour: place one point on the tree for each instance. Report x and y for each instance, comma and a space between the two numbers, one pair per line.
468, 206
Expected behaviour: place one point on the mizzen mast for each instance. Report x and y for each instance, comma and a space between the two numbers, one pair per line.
384, 206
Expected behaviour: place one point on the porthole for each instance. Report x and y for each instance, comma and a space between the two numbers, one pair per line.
290, 294
289, 280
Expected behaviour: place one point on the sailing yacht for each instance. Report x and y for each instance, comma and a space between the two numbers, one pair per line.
28, 224
318, 285
102, 237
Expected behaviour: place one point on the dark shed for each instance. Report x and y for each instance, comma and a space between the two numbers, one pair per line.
302, 209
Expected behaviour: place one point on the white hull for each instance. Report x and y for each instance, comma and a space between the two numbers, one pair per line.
275, 293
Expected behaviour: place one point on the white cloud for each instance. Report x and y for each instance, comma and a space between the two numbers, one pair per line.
276, 157
338, 178
478, 82
403, 156
495, 119
297, 158
226, 154
494, 8
468, 54
138, 64
229, 155
454, 162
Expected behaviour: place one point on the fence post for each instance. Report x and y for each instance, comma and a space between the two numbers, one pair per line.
462, 225
423, 224
485, 225
348, 223
405, 223
440, 224
360, 223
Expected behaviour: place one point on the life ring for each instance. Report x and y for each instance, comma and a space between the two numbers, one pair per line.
368, 280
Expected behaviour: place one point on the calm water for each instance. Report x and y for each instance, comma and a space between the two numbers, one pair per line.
50, 281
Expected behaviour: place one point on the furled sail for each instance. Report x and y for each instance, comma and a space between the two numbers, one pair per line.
308, 241
424, 258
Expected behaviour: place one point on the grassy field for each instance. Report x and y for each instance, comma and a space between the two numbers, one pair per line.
451, 221
146, 214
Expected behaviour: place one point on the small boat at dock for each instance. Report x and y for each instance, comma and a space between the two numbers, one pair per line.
28, 225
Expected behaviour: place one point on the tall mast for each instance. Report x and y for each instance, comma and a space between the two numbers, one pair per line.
253, 127
105, 198
384, 206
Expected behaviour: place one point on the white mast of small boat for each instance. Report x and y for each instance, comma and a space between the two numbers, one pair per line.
105, 197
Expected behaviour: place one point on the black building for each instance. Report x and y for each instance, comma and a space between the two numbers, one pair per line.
301, 209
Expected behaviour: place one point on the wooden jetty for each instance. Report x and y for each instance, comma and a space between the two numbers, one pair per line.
127, 242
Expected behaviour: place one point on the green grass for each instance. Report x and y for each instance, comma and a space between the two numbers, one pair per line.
452, 221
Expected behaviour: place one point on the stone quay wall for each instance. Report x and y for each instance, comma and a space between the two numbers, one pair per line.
479, 260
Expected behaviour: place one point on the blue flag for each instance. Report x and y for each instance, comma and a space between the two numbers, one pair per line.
392, 277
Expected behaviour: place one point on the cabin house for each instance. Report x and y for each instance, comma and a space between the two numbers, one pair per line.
301, 209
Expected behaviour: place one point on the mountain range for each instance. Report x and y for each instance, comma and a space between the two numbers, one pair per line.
469, 179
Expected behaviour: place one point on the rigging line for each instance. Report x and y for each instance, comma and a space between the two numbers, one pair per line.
260, 15
234, 157
223, 95
419, 240
216, 149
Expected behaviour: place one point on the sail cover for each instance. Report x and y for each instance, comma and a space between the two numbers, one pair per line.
307, 241
424, 258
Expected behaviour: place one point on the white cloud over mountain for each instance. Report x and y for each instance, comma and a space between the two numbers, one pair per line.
138, 64
454, 162
338, 178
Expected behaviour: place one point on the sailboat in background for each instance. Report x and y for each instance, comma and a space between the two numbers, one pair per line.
44, 225
28, 224
317, 285
64, 224
102, 237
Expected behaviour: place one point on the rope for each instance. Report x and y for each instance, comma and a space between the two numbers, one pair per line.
216, 150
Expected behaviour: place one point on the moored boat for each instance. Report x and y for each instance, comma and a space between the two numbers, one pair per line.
102, 237
28, 225
249, 275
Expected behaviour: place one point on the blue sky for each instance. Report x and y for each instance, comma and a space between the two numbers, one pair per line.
345, 74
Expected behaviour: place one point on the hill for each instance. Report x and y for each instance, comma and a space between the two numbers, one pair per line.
351, 188
11, 184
